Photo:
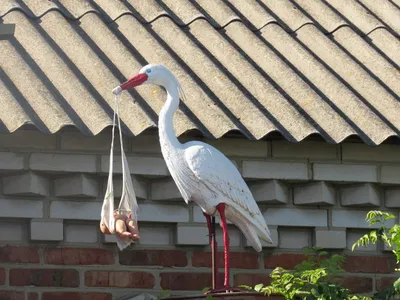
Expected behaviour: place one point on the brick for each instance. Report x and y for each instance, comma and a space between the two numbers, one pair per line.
357, 284
138, 165
240, 147
155, 235
75, 296
44, 277
345, 173
353, 219
27, 139
296, 217
46, 230
275, 170
392, 198
76, 186
284, 260
75, 210
63, 162
11, 161
165, 190
28, 184
294, 238
330, 239
100, 142
19, 254
165, 258
33, 296
240, 260
146, 144
274, 237
119, 279
78, 256
185, 233
305, 149
318, 193
139, 187
390, 174
186, 281
384, 282
11, 295
251, 279
2, 276
21, 208
353, 235
11, 231
273, 191
362, 152
369, 264
163, 213
78, 233
360, 195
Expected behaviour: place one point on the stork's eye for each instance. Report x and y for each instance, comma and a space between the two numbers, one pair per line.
148, 71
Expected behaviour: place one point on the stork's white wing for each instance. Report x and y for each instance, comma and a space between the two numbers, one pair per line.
220, 175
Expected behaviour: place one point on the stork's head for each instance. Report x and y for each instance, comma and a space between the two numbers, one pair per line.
149, 74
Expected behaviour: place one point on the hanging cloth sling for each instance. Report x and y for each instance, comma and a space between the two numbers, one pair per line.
128, 204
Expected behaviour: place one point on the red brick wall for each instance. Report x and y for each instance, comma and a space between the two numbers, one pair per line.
46, 273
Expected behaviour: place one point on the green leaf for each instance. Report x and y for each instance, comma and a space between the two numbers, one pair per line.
258, 287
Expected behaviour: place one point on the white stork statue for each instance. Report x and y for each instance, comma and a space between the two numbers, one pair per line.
202, 173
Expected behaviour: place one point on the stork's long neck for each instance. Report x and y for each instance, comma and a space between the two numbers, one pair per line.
168, 140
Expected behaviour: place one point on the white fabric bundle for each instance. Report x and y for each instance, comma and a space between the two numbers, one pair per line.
128, 205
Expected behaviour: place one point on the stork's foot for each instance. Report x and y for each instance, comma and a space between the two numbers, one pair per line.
225, 289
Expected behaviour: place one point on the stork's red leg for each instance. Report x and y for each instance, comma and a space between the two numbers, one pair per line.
221, 210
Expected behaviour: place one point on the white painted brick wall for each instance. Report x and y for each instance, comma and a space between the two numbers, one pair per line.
11, 231
165, 190
31, 139
11, 161
163, 213
80, 186
146, 144
46, 230
79, 233
294, 238
305, 149
362, 152
318, 193
235, 236
296, 217
361, 195
272, 191
139, 165
192, 234
390, 174
26, 184
78, 210
274, 236
100, 142
354, 235
240, 147
63, 162
352, 219
21, 208
330, 239
392, 198
347, 173
275, 170
152, 234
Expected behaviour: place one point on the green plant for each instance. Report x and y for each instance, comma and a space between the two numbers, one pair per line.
390, 237
163, 294
313, 279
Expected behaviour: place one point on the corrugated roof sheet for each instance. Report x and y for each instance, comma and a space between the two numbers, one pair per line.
297, 67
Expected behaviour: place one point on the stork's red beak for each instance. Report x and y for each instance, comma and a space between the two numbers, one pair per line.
134, 81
